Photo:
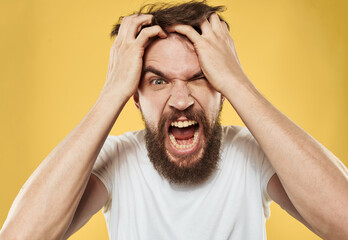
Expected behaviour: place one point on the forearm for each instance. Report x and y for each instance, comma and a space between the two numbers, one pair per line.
47, 202
311, 175
314, 179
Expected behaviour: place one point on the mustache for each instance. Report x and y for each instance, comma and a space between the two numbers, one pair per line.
195, 115
189, 113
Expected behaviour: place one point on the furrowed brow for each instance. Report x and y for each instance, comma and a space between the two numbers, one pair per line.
153, 70
198, 75
161, 74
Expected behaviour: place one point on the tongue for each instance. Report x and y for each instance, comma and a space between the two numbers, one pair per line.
183, 133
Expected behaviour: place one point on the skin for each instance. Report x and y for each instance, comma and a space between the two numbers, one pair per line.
297, 158
47, 209
182, 86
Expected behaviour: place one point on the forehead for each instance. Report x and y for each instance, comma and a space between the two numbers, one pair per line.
174, 55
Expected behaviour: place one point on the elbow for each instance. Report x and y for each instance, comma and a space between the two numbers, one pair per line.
339, 235
336, 232
336, 236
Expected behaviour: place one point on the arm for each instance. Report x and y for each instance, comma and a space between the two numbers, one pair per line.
47, 203
306, 169
277, 194
315, 181
93, 199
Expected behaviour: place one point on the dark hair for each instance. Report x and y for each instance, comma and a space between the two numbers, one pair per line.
167, 14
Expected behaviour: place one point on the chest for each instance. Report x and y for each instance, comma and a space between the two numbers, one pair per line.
227, 205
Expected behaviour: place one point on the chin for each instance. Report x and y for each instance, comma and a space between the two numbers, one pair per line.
187, 161
184, 147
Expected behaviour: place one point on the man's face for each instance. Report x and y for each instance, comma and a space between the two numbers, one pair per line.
181, 110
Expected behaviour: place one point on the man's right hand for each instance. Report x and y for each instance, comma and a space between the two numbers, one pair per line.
126, 55
61, 195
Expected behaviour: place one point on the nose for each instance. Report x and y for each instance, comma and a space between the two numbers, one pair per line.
180, 97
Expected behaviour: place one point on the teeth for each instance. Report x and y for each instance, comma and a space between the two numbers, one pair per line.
173, 140
181, 124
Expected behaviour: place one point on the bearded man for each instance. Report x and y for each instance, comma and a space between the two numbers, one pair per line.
185, 176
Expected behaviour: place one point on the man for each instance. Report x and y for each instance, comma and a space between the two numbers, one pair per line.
185, 177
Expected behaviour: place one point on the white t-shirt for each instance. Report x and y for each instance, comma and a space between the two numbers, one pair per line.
232, 204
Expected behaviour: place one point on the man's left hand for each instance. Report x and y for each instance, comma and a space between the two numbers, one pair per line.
216, 52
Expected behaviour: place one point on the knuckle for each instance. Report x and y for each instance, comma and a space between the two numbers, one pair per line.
128, 18
116, 45
144, 31
126, 45
203, 41
182, 27
117, 41
149, 30
135, 19
139, 21
157, 28
125, 19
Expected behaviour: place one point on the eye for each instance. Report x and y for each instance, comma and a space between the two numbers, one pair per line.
199, 78
158, 81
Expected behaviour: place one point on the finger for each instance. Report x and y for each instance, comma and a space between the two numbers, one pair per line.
187, 31
206, 28
123, 27
225, 27
215, 23
150, 32
135, 24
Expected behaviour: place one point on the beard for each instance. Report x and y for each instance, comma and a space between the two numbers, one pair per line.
201, 169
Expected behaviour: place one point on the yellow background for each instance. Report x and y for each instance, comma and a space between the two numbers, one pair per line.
54, 58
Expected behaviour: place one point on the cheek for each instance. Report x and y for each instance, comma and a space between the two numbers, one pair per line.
213, 106
208, 99
152, 105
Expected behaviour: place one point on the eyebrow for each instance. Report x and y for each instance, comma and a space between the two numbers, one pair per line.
161, 74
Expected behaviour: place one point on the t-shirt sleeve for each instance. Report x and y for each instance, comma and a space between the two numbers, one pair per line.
264, 169
103, 167
267, 172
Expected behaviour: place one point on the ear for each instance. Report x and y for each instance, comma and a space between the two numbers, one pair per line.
136, 99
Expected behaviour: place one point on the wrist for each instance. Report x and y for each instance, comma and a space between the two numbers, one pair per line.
110, 103
114, 95
237, 87
243, 94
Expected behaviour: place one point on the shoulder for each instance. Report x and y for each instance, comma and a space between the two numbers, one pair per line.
128, 138
239, 143
238, 136
116, 147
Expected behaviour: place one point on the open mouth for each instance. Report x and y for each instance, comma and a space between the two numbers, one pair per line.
184, 136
